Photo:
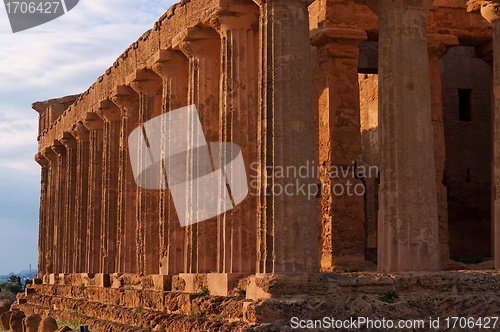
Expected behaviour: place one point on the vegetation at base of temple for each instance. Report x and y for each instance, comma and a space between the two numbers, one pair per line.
10, 288
72, 325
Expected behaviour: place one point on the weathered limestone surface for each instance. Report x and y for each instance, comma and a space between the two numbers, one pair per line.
408, 233
491, 12
438, 45
285, 222
342, 295
336, 58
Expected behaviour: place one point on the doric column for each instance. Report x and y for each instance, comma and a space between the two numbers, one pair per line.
202, 47
69, 143
238, 30
491, 12
173, 68
128, 102
81, 135
44, 213
438, 45
59, 206
111, 114
343, 228
52, 200
148, 86
408, 217
287, 239
94, 250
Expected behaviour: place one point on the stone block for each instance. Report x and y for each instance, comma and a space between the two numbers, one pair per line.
53, 279
221, 284
158, 282
16, 321
31, 323
5, 320
102, 280
48, 324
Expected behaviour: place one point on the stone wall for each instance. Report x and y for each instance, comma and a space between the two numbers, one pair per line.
467, 173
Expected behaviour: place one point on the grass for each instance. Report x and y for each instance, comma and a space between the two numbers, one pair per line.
204, 292
73, 325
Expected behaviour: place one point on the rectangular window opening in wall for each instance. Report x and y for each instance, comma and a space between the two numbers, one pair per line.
465, 105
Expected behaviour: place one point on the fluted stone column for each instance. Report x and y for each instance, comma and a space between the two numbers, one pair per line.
173, 68
491, 12
44, 213
81, 135
69, 202
111, 114
94, 250
52, 197
202, 47
343, 228
59, 204
438, 45
287, 239
408, 216
238, 30
148, 86
128, 102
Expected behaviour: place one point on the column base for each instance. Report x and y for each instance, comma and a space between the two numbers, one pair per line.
159, 282
267, 285
218, 284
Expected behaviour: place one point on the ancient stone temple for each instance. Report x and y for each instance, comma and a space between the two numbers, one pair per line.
369, 135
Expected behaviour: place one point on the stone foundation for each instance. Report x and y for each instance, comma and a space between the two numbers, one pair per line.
339, 295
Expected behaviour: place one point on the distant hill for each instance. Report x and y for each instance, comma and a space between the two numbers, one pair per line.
34, 272
24, 274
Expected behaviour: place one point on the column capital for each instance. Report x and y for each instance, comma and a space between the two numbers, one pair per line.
80, 132
58, 148
168, 63
108, 111
379, 6
49, 154
147, 82
338, 40
193, 42
125, 98
439, 44
235, 17
490, 10
41, 160
283, 2
68, 140
93, 121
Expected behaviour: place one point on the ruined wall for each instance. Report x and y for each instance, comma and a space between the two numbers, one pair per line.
467, 84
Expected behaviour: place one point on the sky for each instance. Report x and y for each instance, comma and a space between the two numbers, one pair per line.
59, 58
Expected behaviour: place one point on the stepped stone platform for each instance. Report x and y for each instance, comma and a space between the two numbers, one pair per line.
134, 306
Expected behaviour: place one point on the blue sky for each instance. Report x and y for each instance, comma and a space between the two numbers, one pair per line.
60, 58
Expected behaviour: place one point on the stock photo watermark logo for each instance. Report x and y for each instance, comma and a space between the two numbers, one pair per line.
204, 179
346, 180
24, 15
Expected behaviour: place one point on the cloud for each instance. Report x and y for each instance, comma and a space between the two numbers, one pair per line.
60, 58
